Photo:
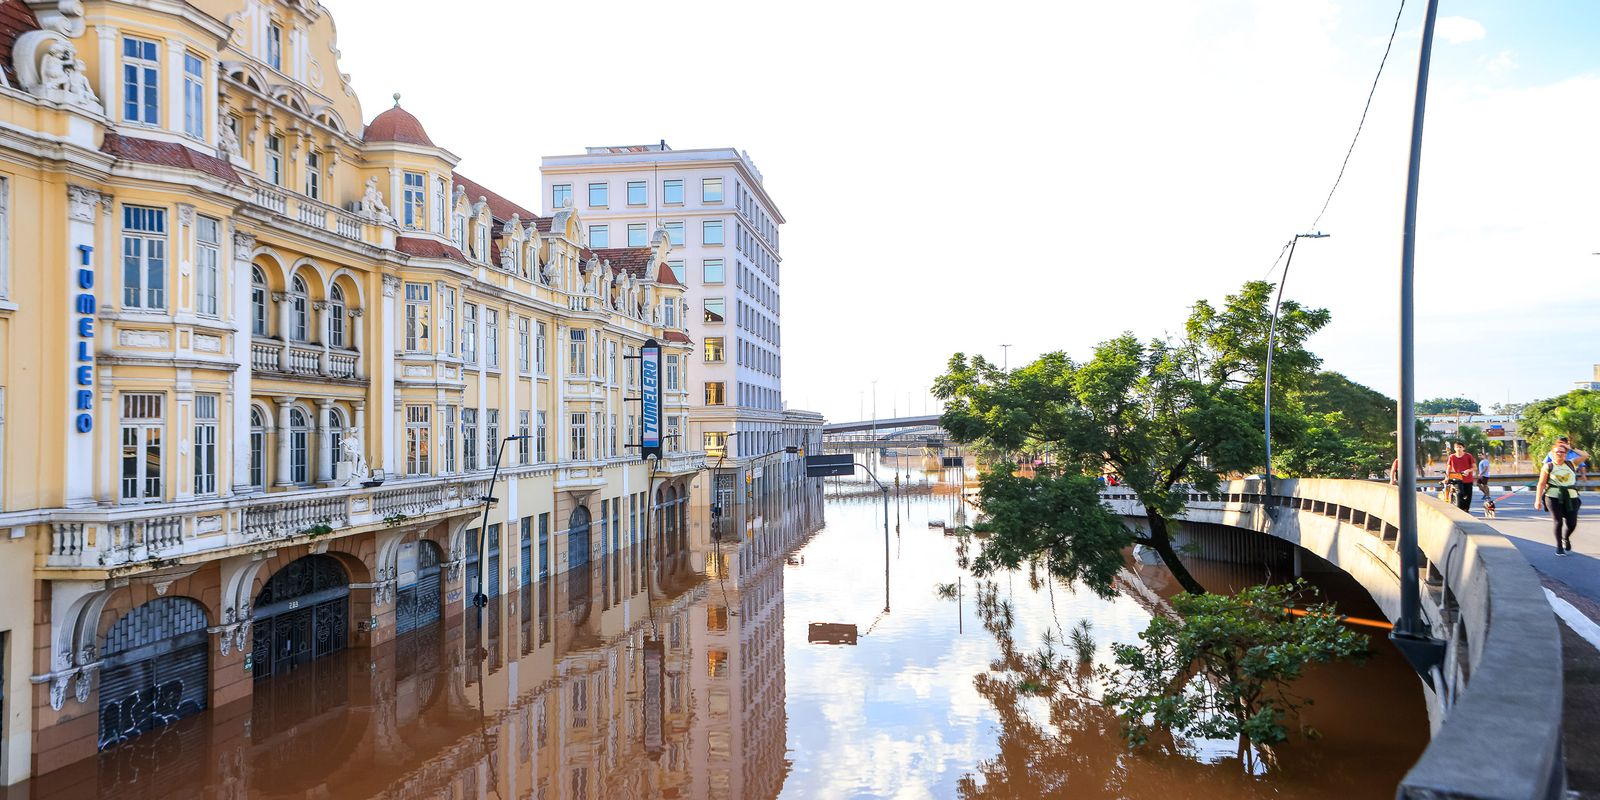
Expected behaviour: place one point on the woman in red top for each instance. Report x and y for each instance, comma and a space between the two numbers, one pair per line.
1462, 470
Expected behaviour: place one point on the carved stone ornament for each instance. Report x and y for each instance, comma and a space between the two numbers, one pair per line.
48, 67
227, 139
80, 687
66, 18
391, 286
81, 203
371, 205
243, 245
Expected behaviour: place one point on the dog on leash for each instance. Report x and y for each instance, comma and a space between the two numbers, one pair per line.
1488, 501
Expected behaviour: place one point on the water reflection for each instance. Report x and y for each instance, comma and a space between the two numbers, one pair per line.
699, 679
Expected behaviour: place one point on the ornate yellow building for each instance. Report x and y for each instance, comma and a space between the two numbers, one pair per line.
257, 361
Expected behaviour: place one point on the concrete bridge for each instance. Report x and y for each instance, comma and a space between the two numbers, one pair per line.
1495, 705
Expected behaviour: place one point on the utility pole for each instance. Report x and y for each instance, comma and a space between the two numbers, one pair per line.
1272, 338
1005, 357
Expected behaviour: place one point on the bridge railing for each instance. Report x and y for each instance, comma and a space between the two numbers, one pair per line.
1496, 703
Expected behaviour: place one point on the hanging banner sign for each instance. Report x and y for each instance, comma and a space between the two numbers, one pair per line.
650, 422
83, 310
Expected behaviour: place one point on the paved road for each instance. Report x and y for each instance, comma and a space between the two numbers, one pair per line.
1531, 531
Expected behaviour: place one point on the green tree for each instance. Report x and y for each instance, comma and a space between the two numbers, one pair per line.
1368, 414
1431, 444
1449, 405
1161, 415
1224, 668
1328, 449
1054, 516
1476, 441
1575, 414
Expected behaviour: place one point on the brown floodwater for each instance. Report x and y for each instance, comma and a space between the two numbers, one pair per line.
702, 681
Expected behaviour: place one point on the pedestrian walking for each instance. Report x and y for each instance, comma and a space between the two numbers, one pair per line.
1558, 491
1577, 458
1461, 470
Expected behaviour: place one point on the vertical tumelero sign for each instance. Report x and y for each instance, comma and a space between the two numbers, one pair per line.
650, 400
83, 309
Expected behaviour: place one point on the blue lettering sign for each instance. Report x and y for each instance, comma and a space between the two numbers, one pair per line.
83, 304
650, 399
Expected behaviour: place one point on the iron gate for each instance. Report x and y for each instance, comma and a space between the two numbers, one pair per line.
301, 615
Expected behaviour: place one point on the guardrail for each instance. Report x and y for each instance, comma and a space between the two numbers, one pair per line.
1496, 703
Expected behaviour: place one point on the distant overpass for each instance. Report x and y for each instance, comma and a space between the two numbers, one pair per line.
882, 424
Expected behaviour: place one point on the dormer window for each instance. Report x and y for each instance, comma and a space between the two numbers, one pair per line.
438, 204
275, 46
458, 231
480, 242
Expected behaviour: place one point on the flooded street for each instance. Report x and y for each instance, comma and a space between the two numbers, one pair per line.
701, 680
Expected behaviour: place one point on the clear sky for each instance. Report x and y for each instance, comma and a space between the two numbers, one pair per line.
1047, 175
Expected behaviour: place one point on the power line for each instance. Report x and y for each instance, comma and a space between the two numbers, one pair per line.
1364, 109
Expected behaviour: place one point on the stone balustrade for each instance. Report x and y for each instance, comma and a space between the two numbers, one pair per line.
307, 359
123, 539
314, 213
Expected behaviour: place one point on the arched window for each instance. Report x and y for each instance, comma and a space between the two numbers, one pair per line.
258, 449
336, 426
336, 314
298, 315
258, 302
299, 443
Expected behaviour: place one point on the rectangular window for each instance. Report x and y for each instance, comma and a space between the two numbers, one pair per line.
418, 430
447, 318
674, 433
579, 422
144, 257
141, 81
598, 195
417, 322
541, 348
711, 231
672, 192
630, 367
544, 546
205, 444
523, 430
611, 363
711, 271
716, 393
491, 337
143, 421
672, 373
636, 193
207, 253
676, 265
716, 309
599, 236
714, 350
710, 190
491, 437
194, 102
447, 436
469, 438
715, 443
524, 345
5, 236
636, 235
560, 196
440, 204
578, 357
314, 175
469, 333
674, 233
612, 431
275, 160
275, 47
541, 451
416, 199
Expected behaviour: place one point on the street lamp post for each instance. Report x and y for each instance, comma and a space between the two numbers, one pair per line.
1272, 340
480, 598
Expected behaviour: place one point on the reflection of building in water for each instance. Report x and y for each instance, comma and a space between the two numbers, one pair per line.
737, 677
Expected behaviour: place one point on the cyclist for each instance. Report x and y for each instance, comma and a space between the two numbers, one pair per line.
1461, 471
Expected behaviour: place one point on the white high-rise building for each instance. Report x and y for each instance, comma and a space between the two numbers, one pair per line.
724, 230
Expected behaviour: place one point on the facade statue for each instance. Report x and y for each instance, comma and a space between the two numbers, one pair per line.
350, 453
227, 140
48, 66
371, 205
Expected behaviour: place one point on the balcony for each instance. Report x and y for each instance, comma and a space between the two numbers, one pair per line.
311, 212
119, 540
310, 360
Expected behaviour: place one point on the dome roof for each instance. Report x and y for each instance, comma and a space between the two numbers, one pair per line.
396, 125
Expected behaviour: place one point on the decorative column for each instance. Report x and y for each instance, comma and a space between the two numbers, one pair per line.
386, 399
108, 74
285, 473
324, 333
358, 341
282, 299
325, 453
174, 67
244, 245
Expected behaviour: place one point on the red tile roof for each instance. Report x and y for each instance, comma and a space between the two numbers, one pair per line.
634, 260
665, 276
15, 20
545, 224
396, 125
677, 336
427, 248
499, 207
170, 154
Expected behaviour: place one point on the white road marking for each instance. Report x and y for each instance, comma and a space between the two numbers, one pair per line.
1575, 619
